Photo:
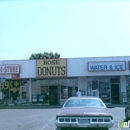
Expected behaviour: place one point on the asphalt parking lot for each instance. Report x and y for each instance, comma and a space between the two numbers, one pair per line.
42, 119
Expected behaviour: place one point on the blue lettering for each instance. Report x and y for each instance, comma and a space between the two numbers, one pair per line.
105, 67
121, 67
101, 67
92, 67
118, 67
98, 67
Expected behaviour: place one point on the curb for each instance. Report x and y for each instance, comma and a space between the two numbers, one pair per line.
49, 107
29, 107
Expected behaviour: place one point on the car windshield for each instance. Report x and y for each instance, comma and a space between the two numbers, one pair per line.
84, 103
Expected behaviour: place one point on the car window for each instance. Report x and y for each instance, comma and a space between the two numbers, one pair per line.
84, 103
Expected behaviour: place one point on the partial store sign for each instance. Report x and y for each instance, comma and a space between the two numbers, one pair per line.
2, 79
51, 68
10, 69
107, 66
129, 65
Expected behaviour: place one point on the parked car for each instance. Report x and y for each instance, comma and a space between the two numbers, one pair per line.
84, 112
127, 112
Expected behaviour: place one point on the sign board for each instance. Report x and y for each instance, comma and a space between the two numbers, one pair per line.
15, 76
2, 79
51, 68
129, 65
10, 84
9, 69
107, 66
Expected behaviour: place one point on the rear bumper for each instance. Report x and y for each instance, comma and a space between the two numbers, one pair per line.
82, 126
85, 125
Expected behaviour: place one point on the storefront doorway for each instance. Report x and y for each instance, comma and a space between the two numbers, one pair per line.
53, 95
115, 85
115, 93
53, 91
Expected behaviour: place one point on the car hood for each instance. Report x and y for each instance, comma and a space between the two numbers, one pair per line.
84, 111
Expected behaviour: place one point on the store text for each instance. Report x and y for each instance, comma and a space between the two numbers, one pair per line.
52, 71
9, 69
106, 67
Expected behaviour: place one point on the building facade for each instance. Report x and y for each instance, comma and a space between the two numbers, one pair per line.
52, 81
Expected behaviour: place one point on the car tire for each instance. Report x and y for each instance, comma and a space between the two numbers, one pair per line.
126, 116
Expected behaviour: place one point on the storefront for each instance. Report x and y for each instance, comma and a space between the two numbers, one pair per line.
53, 81
42, 82
53, 91
105, 77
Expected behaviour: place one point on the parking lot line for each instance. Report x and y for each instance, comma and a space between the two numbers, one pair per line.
119, 125
46, 124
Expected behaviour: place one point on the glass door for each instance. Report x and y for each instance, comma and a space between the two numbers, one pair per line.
104, 89
99, 86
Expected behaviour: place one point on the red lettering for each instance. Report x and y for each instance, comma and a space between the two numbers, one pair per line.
5, 70
9, 69
1, 69
16, 68
13, 68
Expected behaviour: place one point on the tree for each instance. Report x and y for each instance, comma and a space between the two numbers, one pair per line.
45, 55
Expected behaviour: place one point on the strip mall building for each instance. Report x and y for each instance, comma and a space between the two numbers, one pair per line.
52, 81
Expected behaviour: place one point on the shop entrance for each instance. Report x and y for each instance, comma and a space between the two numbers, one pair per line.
115, 84
53, 95
115, 93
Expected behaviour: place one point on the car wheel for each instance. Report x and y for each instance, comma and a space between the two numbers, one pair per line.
126, 116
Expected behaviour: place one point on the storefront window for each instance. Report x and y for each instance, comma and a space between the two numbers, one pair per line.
68, 87
94, 83
128, 88
5, 92
40, 91
64, 92
24, 90
11, 92
100, 86
89, 88
15, 92
104, 89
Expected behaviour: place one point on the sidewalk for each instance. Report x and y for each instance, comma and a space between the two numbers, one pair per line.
50, 106
115, 105
30, 107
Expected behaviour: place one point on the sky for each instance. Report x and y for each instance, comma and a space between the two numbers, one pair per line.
72, 28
